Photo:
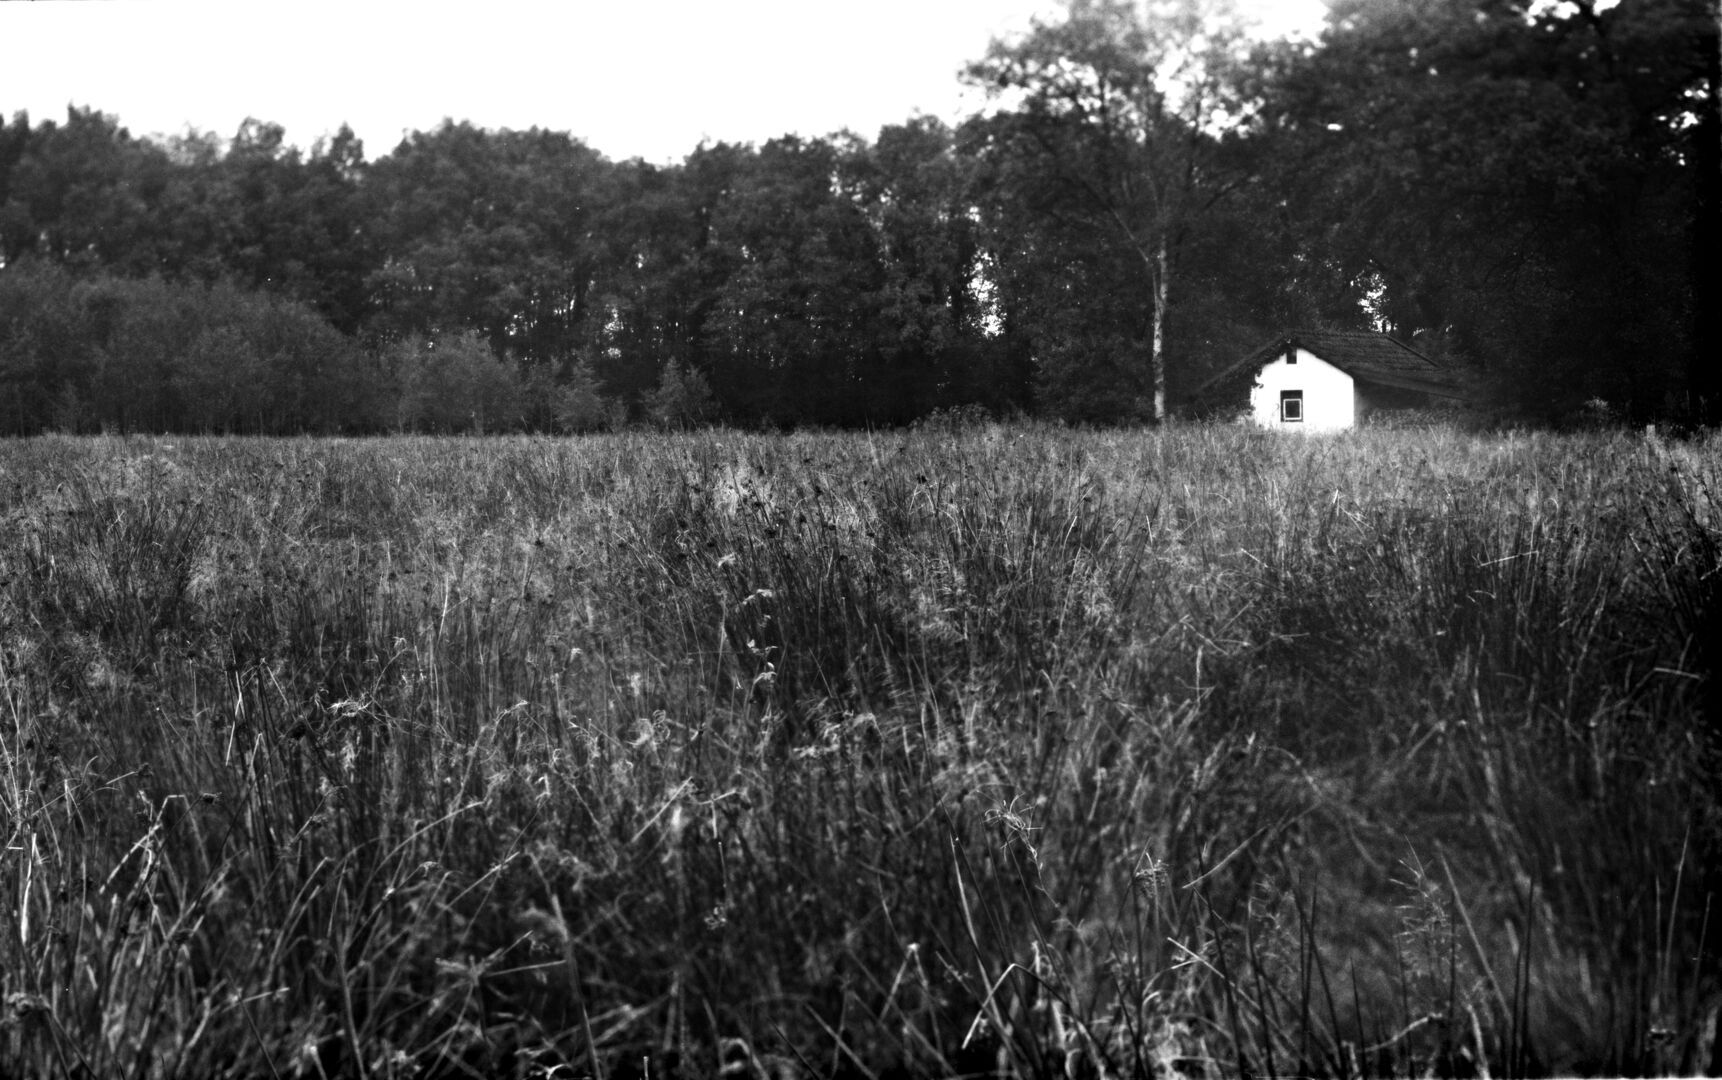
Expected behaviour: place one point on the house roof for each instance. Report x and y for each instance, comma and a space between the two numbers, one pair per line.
1364, 355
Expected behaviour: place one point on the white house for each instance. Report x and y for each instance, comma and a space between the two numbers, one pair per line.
1328, 380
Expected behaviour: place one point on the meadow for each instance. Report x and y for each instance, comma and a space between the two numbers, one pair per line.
967, 750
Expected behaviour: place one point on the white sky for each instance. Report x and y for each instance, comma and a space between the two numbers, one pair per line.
634, 78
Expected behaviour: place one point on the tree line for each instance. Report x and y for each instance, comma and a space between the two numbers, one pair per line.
1527, 190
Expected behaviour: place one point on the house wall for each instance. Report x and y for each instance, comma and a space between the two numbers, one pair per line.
1328, 394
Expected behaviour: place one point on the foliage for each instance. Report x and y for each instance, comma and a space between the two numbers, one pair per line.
580, 407
106, 353
683, 399
810, 281
795, 322
452, 383
973, 749
1112, 148
1522, 179
488, 232
1532, 189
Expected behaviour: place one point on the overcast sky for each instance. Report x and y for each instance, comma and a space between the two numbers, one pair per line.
634, 78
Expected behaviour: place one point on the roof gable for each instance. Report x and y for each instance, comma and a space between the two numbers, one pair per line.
1362, 354
1365, 355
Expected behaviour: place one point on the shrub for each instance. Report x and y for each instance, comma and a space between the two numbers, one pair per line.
128, 355
453, 383
683, 398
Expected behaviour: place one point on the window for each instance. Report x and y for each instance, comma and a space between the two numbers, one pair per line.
1291, 354
1291, 406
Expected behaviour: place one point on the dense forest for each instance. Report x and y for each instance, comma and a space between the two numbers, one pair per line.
1529, 190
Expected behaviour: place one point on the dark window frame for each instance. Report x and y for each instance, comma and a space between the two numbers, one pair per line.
1294, 399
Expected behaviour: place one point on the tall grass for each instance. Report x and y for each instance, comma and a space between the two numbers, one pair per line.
988, 750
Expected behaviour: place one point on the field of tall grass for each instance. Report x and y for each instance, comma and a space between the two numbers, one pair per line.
972, 750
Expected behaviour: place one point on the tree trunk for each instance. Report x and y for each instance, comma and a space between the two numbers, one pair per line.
1704, 369
1157, 353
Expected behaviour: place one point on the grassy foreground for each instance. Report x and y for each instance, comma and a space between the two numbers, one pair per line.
1003, 751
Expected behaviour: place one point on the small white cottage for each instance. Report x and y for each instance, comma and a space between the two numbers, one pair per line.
1329, 380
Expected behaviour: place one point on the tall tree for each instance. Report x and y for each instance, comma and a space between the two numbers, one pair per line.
939, 344
298, 226
72, 194
1523, 180
487, 231
823, 281
15, 225
1110, 143
663, 265
793, 330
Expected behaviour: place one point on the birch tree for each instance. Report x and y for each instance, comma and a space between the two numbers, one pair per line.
1115, 127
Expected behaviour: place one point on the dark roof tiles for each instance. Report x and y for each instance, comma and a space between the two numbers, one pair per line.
1362, 354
